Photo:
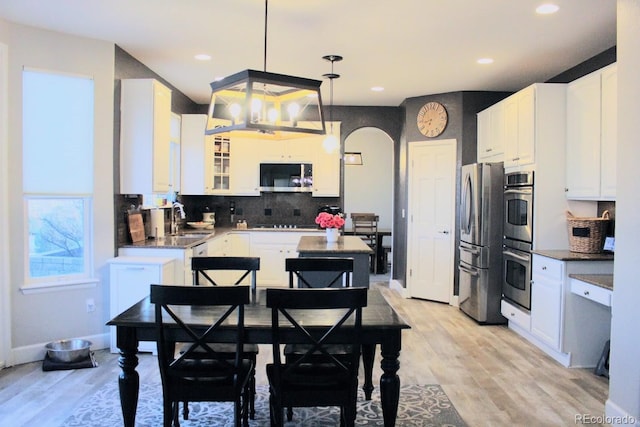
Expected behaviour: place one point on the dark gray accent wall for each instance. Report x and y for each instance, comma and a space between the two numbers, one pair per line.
462, 108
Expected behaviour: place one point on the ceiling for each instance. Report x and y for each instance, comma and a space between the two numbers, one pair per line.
410, 47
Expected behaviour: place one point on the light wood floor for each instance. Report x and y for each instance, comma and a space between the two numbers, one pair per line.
492, 376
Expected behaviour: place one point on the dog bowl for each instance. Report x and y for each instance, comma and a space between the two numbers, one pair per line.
68, 351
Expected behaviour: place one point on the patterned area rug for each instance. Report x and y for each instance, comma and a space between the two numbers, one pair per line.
420, 405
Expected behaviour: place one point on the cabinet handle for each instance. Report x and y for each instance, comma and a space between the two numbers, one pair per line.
515, 159
135, 268
586, 292
512, 314
544, 267
488, 150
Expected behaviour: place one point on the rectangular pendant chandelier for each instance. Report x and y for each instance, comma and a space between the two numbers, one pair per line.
258, 104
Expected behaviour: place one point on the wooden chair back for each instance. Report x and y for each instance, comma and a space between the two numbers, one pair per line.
334, 272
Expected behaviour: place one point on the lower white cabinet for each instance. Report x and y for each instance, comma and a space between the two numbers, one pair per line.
546, 302
273, 247
568, 327
129, 282
518, 318
181, 257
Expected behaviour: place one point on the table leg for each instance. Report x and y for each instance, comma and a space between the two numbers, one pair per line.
128, 380
390, 381
368, 355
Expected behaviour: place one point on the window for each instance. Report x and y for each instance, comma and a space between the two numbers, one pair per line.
57, 131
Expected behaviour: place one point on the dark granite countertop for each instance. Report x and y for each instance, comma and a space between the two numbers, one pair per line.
600, 280
190, 237
566, 255
184, 240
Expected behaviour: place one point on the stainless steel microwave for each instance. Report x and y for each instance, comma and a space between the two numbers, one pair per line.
286, 177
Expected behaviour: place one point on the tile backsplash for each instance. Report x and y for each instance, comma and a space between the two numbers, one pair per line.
270, 208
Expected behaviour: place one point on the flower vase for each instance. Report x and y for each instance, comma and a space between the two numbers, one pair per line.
332, 235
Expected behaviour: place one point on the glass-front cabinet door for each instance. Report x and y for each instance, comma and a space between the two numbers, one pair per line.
220, 166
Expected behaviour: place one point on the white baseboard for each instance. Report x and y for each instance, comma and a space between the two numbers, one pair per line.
615, 415
36, 352
395, 285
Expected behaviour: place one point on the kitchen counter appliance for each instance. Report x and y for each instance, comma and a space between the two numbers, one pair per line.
480, 242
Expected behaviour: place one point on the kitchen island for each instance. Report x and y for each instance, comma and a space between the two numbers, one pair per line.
345, 247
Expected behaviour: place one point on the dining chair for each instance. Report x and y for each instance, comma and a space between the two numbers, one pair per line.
308, 381
206, 268
365, 226
319, 272
328, 272
188, 376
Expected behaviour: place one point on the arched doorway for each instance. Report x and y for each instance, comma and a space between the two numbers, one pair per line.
369, 187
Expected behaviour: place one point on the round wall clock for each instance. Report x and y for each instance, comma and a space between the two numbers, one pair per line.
432, 119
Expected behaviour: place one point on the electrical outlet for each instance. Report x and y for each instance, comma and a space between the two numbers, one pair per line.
91, 305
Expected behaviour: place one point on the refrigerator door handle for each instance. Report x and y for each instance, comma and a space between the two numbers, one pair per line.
473, 251
468, 271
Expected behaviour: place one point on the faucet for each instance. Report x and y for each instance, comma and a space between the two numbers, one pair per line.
174, 223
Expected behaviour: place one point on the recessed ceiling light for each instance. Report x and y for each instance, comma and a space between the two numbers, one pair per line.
203, 57
485, 61
547, 8
377, 88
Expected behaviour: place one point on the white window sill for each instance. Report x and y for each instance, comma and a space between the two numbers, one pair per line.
66, 285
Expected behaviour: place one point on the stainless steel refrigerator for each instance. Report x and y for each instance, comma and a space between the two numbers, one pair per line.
481, 221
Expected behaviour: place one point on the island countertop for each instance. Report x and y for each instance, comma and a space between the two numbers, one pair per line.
345, 244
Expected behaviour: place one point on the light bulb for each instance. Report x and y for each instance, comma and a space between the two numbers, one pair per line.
273, 115
294, 110
235, 110
330, 143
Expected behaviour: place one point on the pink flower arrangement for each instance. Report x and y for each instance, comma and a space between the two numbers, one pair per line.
326, 220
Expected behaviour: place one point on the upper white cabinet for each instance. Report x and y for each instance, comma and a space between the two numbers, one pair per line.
326, 167
145, 134
491, 134
520, 126
206, 159
245, 164
592, 136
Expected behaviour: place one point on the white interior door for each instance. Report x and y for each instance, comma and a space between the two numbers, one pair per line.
432, 167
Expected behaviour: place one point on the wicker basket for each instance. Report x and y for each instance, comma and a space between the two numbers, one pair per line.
586, 235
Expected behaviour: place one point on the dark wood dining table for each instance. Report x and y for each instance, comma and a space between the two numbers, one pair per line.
380, 325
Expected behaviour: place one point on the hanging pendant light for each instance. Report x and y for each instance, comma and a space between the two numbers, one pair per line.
258, 104
331, 142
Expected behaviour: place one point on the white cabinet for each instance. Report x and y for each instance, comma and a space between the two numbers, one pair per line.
520, 135
216, 165
592, 136
197, 153
245, 164
129, 281
568, 327
518, 318
491, 134
289, 150
174, 153
145, 132
182, 260
273, 247
546, 301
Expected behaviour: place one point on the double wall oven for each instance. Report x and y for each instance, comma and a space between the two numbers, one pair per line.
518, 237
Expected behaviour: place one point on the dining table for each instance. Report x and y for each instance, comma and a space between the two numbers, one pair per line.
381, 325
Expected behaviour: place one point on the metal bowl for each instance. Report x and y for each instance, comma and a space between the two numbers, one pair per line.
68, 351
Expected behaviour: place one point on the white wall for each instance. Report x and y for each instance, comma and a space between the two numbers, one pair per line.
369, 188
5, 306
624, 383
43, 317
